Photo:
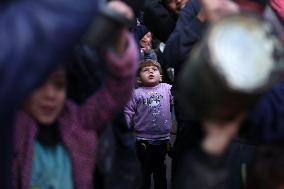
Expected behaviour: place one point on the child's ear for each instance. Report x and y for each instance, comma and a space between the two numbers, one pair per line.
161, 78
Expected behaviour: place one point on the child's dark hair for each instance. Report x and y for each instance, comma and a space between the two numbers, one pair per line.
267, 168
149, 62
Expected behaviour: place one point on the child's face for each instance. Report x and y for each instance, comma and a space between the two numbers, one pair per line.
146, 40
150, 76
46, 103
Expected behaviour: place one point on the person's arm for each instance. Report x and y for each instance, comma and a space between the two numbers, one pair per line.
187, 33
34, 34
129, 111
149, 54
116, 90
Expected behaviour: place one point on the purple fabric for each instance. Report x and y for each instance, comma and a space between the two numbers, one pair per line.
79, 125
149, 112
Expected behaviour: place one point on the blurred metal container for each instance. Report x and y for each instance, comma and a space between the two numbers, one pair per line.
105, 27
239, 59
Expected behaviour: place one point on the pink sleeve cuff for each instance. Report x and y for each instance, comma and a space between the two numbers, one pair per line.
124, 65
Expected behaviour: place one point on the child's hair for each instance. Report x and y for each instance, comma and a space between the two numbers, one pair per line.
149, 62
267, 168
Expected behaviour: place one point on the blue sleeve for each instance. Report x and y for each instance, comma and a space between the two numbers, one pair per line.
150, 55
34, 34
187, 33
266, 119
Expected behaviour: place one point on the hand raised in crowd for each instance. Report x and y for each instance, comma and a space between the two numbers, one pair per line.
215, 9
219, 134
146, 42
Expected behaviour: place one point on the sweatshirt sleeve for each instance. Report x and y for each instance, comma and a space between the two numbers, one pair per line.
33, 35
130, 110
102, 107
187, 33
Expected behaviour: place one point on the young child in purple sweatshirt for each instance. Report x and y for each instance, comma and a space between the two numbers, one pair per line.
148, 113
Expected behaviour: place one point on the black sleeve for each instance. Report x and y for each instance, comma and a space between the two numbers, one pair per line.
159, 19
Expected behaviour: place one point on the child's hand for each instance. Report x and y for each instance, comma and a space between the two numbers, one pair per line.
218, 134
146, 49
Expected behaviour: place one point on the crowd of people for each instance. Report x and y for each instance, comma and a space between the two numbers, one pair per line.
93, 94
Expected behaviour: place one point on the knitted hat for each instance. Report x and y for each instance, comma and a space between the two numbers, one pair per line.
149, 62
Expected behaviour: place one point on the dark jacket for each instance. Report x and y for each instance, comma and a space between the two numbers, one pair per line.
265, 122
159, 19
33, 35
187, 33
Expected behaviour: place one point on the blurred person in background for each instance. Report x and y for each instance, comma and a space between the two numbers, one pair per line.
55, 139
34, 35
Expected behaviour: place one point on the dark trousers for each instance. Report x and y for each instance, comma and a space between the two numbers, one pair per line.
152, 159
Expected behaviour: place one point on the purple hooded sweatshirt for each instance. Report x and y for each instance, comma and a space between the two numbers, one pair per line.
149, 112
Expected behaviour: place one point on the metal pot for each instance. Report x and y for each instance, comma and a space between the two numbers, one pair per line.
105, 28
238, 60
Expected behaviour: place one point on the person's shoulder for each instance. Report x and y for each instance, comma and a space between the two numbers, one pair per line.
138, 91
